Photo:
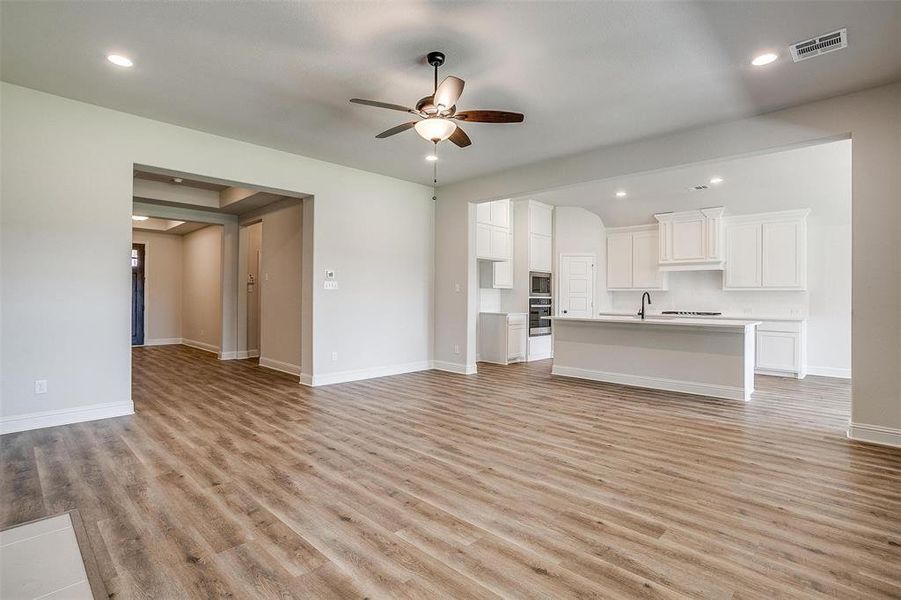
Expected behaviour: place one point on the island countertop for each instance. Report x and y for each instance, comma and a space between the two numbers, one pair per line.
664, 321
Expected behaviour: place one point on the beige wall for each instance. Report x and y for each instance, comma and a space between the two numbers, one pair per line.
201, 287
162, 286
280, 298
872, 119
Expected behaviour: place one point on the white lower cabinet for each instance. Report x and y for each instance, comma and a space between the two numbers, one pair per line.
502, 337
540, 347
781, 348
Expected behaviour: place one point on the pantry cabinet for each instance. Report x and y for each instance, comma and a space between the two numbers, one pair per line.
766, 251
632, 259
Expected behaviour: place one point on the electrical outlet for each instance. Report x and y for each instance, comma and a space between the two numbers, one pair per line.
40, 386
334, 356
457, 287
456, 348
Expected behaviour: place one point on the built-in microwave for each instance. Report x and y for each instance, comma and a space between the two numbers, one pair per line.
539, 284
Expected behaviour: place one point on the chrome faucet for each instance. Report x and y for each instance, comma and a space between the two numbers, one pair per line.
643, 296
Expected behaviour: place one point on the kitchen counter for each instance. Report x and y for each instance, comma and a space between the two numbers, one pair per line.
725, 316
702, 356
662, 320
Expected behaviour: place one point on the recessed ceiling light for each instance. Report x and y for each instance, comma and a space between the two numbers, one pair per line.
621, 194
138, 218
119, 60
431, 157
764, 59
716, 180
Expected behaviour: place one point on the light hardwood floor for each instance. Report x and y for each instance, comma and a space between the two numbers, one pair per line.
232, 480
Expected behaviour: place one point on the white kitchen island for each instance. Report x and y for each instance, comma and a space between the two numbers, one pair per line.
696, 356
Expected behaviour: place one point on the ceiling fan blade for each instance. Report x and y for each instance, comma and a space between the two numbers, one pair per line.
448, 92
377, 104
489, 116
398, 129
460, 138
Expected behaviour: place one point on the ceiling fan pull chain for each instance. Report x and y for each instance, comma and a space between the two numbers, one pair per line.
435, 162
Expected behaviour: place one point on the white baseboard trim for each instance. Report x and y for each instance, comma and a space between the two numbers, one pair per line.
242, 354
232, 355
829, 372
162, 342
440, 365
371, 373
306, 379
875, 434
65, 416
657, 383
200, 345
277, 365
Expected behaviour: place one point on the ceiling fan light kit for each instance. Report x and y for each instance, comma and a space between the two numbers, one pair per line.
438, 114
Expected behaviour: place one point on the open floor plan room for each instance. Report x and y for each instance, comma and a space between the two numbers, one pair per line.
232, 480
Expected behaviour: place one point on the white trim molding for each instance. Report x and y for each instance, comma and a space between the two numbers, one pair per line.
372, 373
829, 372
277, 365
875, 434
65, 416
657, 383
200, 345
162, 342
440, 365
242, 354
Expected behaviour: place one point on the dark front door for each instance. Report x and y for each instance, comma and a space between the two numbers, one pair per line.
137, 294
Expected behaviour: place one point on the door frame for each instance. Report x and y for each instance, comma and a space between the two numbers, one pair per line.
594, 279
146, 247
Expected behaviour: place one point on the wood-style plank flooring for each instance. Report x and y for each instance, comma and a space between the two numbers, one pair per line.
234, 481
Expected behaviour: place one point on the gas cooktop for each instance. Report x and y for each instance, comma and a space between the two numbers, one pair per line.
691, 313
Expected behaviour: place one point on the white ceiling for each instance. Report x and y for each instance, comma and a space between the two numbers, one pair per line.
816, 177
586, 74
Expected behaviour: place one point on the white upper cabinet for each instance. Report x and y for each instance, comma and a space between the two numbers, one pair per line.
540, 253
494, 238
743, 256
541, 227
500, 213
691, 240
632, 255
541, 219
783, 264
766, 251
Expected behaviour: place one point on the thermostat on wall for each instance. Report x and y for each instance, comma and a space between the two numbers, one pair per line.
329, 274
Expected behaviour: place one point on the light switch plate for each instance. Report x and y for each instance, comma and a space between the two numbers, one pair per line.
330, 285
40, 386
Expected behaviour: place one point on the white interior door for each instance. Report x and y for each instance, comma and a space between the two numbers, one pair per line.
577, 285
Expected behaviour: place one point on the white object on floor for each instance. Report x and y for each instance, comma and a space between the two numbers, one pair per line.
42, 560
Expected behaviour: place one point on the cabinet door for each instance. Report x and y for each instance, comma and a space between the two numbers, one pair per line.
646, 272
483, 240
778, 351
500, 213
687, 239
503, 274
743, 256
540, 252
483, 213
516, 341
541, 219
782, 254
619, 261
500, 243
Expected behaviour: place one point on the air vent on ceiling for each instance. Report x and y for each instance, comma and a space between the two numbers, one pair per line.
700, 187
828, 42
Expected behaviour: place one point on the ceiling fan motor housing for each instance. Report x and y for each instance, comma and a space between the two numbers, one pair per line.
436, 59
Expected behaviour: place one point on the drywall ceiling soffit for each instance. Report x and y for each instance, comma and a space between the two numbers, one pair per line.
586, 74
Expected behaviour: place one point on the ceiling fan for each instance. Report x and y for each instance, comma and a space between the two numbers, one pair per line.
438, 113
